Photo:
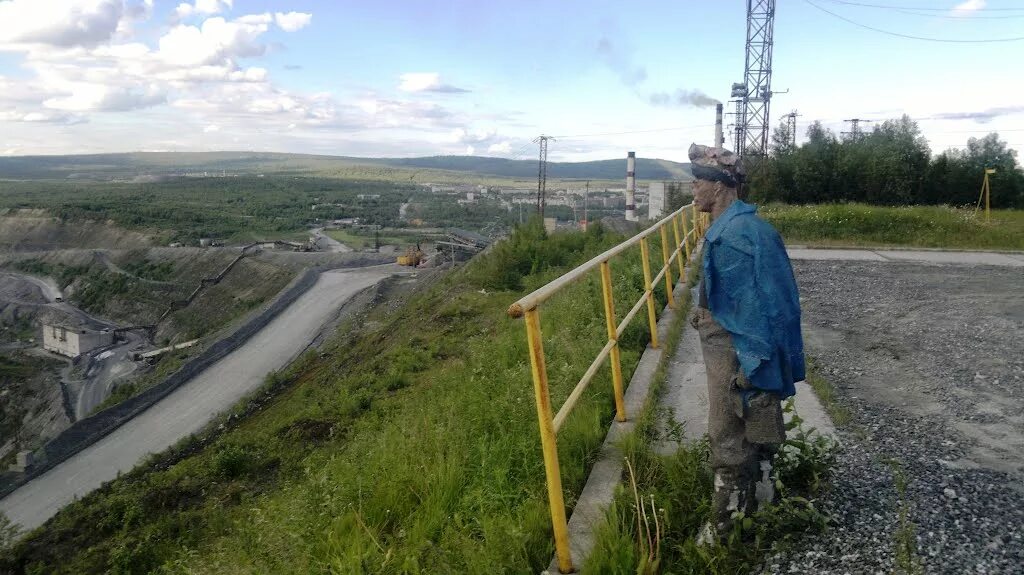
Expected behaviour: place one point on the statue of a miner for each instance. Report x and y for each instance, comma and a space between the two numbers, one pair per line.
748, 318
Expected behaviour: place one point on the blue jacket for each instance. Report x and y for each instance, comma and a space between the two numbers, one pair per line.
751, 292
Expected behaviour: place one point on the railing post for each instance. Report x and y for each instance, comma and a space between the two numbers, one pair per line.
686, 235
678, 250
652, 317
696, 225
609, 316
668, 267
547, 440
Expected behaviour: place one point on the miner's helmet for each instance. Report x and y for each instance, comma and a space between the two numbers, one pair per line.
716, 165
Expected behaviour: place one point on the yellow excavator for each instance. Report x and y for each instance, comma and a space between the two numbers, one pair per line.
412, 257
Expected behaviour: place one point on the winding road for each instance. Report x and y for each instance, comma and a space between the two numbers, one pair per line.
194, 404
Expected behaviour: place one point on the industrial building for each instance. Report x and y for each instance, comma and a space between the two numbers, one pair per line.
74, 341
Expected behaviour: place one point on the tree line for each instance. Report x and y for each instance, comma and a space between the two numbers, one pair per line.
890, 165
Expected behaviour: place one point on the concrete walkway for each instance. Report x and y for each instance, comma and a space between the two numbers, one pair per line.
1013, 259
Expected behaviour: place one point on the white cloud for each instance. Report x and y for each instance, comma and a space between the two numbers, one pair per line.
184, 10
427, 82
46, 117
292, 21
470, 150
502, 148
87, 97
967, 7
216, 41
211, 128
63, 23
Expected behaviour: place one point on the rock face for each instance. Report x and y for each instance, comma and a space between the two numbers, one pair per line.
32, 408
927, 359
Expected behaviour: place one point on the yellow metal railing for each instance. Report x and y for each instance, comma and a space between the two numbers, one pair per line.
686, 229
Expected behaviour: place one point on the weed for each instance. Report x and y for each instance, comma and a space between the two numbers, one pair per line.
908, 562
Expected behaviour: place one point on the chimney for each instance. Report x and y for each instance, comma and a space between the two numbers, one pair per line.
719, 139
631, 187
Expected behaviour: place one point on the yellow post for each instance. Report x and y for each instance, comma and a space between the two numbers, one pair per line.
686, 234
668, 268
678, 250
547, 440
988, 195
696, 225
652, 317
609, 316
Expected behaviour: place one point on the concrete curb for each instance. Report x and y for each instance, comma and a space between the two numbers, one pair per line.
592, 506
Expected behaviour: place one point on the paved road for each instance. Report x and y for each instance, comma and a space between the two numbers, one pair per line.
930, 256
190, 407
326, 241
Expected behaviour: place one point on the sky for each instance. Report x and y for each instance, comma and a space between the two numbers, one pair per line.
400, 78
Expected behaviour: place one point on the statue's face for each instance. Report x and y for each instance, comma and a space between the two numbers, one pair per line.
704, 193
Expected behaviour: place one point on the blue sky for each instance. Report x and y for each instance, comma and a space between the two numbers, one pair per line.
407, 78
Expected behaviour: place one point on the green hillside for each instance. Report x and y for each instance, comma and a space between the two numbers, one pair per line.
408, 444
439, 168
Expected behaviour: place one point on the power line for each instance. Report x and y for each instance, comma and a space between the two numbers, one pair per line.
920, 8
909, 36
961, 18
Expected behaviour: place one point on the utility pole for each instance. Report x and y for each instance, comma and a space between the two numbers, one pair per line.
542, 171
855, 133
754, 94
986, 193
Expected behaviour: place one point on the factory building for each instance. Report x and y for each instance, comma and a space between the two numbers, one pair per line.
73, 341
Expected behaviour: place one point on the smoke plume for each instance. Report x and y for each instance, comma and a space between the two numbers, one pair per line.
619, 61
682, 98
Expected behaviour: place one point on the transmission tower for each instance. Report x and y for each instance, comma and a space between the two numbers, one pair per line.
542, 172
855, 132
791, 125
755, 93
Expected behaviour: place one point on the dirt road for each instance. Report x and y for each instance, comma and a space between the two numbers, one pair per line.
105, 369
192, 405
928, 360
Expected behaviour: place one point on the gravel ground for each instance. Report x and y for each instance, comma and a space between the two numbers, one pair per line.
929, 360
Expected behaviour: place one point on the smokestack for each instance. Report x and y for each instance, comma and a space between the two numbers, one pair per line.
719, 139
631, 187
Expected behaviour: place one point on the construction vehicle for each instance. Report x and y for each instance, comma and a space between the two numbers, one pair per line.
412, 257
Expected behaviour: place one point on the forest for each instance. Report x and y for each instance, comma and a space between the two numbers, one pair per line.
891, 165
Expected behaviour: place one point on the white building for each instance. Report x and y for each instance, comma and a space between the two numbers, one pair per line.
658, 200
73, 342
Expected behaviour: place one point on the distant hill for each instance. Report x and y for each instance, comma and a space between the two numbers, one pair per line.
144, 165
646, 169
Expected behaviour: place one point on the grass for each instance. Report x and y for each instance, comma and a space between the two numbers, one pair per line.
409, 444
916, 226
839, 414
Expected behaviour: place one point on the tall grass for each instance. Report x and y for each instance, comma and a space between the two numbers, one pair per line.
919, 226
410, 446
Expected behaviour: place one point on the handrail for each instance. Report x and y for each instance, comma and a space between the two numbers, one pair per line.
541, 294
529, 307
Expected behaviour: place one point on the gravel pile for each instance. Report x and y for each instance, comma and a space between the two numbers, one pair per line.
929, 362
